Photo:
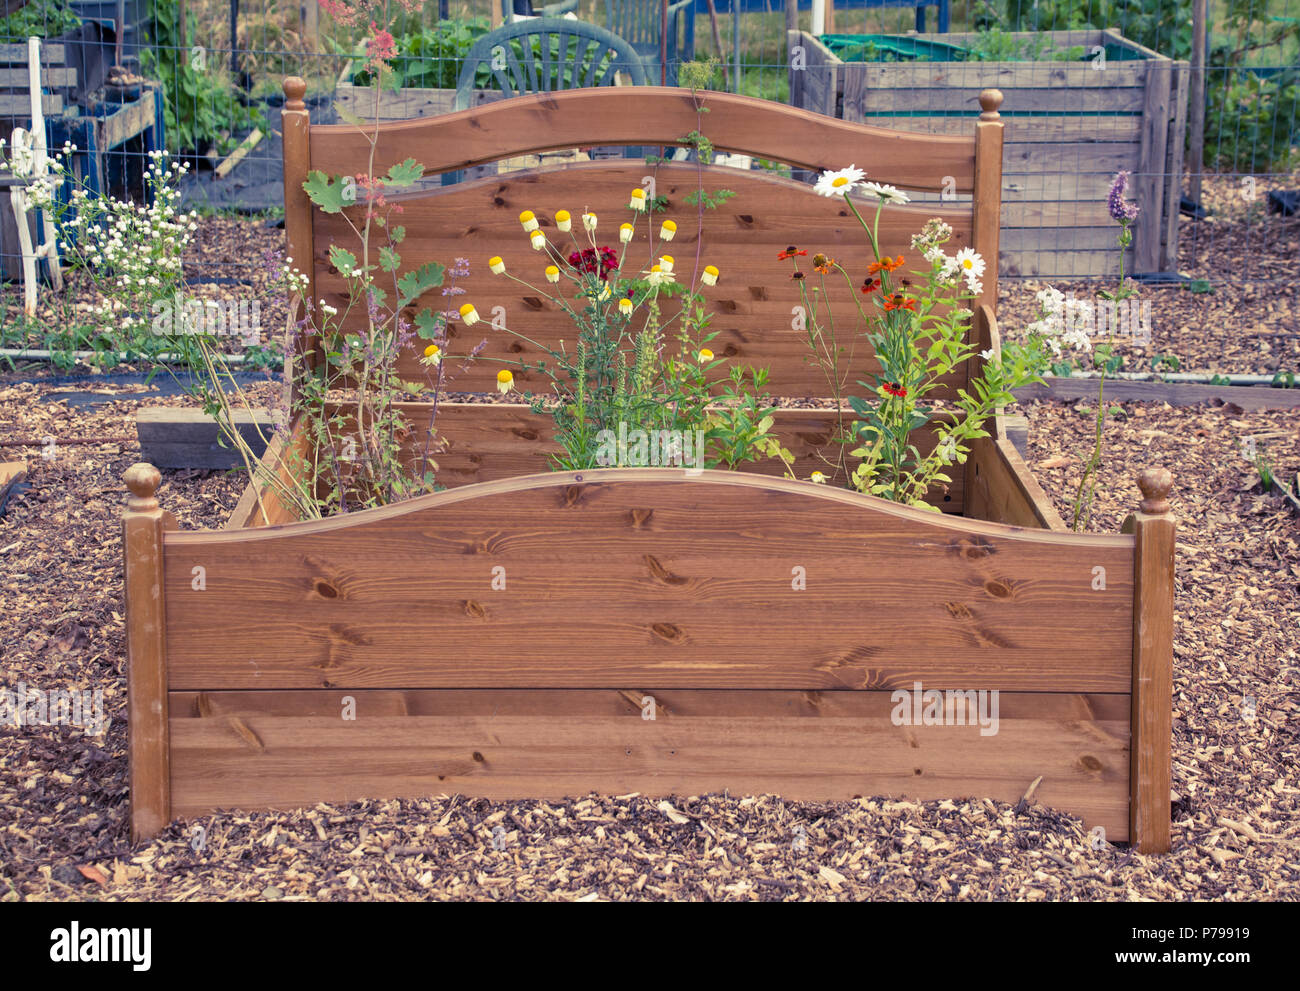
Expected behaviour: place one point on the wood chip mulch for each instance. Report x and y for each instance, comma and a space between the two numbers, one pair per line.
63, 794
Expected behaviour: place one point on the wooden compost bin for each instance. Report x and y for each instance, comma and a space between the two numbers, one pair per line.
630, 584
1069, 128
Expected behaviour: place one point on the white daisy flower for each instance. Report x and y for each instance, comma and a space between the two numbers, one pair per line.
839, 182
887, 194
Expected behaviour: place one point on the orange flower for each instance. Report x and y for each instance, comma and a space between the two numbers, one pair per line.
894, 389
899, 302
789, 252
885, 265
822, 264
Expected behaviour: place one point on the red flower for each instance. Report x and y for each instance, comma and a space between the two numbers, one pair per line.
789, 252
870, 285
894, 389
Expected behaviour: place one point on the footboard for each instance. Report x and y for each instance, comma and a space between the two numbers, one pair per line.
649, 630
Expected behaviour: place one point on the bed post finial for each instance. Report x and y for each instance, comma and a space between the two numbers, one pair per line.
990, 103
142, 479
295, 88
1156, 484
1154, 534
143, 525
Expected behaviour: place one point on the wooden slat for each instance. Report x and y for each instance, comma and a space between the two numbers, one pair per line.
1174, 393
175, 437
278, 749
17, 54
403, 104
1174, 146
627, 575
1026, 130
56, 76
479, 442
1149, 181
272, 509
871, 97
639, 116
813, 84
12, 105
753, 301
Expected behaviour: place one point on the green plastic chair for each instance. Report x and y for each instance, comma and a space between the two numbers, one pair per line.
639, 21
509, 7
542, 56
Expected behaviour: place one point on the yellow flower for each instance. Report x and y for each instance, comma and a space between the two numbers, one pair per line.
505, 381
496, 265
710, 276
666, 263
589, 221
625, 306
432, 354
817, 477
638, 200
705, 355
552, 273
625, 233
604, 292
563, 221
667, 230
469, 314
538, 240
529, 220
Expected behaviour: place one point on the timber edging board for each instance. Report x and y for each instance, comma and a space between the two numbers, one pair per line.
1173, 393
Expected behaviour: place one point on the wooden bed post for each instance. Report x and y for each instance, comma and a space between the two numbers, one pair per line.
295, 123
146, 652
987, 200
1153, 630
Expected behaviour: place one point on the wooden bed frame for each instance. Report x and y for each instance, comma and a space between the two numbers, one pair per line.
527, 633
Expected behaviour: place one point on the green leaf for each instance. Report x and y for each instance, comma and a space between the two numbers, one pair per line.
342, 259
404, 174
325, 191
389, 260
413, 284
427, 325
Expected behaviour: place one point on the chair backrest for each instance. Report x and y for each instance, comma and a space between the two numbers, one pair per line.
548, 54
639, 21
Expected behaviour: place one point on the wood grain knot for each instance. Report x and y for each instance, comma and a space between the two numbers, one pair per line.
472, 608
572, 495
661, 573
746, 218
957, 610
758, 292
514, 347
325, 590
972, 548
478, 758
498, 201
998, 589
524, 433
814, 440
343, 634
668, 632
727, 305
533, 303
640, 517
1090, 763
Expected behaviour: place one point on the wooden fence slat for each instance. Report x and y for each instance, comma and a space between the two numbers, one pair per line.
1149, 191
284, 749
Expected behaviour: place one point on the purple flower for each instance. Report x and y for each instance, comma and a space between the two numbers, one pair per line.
1119, 210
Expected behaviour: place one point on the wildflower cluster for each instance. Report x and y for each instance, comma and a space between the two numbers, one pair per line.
625, 373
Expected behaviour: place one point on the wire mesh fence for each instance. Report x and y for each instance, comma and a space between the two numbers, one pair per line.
1089, 87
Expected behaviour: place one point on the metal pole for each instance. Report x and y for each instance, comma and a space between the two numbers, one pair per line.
735, 41
234, 40
1197, 98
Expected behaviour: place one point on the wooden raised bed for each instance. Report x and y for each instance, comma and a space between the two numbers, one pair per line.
1069, 128
629, 584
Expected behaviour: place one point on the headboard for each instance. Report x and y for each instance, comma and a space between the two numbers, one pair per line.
754, 299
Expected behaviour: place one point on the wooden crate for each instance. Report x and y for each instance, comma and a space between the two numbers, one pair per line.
636, 590
1069, 128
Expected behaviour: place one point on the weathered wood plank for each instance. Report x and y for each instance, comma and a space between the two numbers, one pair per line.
176, 437
627, 575
1174, 393
650, 115
1027, 130
1150, 179
277, 749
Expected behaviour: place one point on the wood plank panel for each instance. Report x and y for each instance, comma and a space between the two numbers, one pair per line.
625, 575
252, 750
754, 302
868, 100
1025, 130
613, 116
480, 442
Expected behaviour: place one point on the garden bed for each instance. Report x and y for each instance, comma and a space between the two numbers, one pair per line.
660, 590
1070, 126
